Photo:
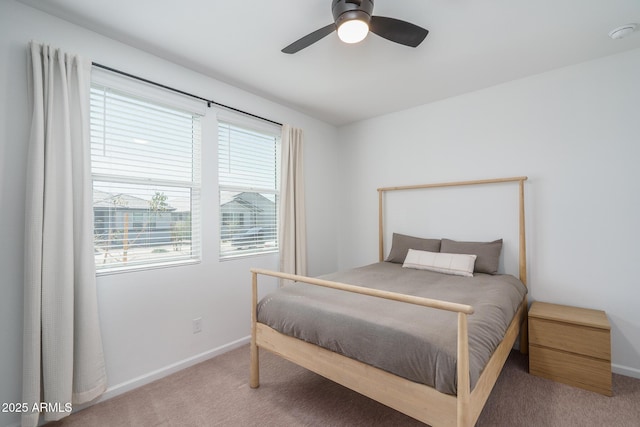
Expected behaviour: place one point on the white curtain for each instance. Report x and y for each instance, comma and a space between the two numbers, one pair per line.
293, 233
62, 346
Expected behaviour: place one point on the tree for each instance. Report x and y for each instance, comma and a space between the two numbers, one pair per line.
158, 202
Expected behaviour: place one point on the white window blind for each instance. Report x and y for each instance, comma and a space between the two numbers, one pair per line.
145, 160
249, 174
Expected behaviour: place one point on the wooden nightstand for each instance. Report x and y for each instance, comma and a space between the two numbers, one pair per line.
570, 345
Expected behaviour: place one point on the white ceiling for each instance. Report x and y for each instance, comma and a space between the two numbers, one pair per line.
472, 44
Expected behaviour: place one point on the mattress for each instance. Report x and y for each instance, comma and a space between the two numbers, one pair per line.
414, 342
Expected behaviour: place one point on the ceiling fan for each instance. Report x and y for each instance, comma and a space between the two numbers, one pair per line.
353, 20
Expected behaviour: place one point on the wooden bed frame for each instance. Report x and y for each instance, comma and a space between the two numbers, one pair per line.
416, 400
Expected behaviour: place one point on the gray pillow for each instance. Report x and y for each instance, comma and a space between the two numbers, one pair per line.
401, 244
488, 253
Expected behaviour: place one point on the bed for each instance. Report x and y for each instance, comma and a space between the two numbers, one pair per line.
442, 376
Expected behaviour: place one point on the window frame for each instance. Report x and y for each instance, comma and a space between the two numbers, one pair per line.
267, 129
166, 99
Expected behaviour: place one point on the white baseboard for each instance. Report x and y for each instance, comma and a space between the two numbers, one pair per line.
134, 383
118, 389
625, 370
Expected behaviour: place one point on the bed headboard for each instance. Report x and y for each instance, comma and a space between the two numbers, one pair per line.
522, 251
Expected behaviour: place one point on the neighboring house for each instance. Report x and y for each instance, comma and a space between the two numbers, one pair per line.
247, 211
115, 214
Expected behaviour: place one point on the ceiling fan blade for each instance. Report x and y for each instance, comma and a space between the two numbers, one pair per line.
309, 39
398, 31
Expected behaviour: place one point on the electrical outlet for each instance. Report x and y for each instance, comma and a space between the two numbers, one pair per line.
197, 325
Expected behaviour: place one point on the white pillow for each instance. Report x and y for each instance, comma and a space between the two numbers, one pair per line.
456, 264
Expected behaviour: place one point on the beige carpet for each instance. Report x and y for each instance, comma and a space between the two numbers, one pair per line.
216, 393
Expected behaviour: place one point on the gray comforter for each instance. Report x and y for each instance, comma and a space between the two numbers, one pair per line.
417, 343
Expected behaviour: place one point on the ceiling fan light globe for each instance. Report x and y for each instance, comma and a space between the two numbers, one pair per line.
353, 31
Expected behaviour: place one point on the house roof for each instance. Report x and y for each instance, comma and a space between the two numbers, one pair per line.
102, 199
249, 200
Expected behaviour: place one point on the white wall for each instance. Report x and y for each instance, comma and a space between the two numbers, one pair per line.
575, 132
145, 316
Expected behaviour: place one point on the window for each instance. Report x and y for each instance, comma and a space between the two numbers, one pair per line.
145, 162
249, 174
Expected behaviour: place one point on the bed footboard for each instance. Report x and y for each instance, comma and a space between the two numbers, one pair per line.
416, 400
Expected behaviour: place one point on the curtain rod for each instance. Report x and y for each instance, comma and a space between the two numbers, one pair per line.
208, 101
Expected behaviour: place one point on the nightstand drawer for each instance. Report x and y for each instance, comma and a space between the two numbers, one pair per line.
585, 372
572, 338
